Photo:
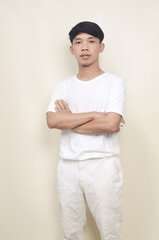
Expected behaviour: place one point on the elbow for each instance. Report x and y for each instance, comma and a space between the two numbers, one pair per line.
113, 122
51, 123
114, 128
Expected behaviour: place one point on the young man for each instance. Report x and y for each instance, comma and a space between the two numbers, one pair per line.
88, 109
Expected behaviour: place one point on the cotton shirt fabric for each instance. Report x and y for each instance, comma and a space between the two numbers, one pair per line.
105, 93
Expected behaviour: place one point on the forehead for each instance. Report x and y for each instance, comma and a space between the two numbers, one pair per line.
84, 36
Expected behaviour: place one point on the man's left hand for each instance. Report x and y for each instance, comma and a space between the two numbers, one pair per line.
61, 106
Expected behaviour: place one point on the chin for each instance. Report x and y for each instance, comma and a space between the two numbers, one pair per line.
86, 64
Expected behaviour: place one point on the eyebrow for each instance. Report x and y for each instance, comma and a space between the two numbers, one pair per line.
81, 38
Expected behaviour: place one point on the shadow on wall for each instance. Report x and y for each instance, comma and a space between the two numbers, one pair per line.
137, 158
51, 140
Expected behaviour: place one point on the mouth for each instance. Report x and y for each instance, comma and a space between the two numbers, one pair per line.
85, 56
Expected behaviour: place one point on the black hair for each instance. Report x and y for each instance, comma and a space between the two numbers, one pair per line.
86, 27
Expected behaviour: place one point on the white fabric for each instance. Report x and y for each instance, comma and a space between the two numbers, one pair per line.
105, 93
98, 182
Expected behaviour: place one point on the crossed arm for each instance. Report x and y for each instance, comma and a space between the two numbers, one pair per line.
84, 123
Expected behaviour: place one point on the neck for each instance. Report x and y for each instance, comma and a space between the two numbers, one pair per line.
87, 73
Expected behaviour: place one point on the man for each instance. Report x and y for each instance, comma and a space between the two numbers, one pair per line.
88, 109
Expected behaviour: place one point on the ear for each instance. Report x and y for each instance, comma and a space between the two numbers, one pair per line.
102, 46
71, 49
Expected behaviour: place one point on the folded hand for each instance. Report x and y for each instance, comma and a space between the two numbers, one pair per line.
61, 106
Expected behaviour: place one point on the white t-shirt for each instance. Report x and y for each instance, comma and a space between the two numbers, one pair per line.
105, 93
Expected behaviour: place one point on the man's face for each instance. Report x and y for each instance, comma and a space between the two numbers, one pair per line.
86, 49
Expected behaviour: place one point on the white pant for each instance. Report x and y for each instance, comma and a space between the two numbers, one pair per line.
97, 181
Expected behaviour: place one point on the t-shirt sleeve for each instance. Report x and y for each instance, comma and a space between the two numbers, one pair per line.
58, 93
116, 101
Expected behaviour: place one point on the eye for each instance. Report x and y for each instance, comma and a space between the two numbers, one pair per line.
78, 42
91, 41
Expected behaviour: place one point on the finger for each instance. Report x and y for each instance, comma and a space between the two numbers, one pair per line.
58, 106
57, 109
61, 104
66, 106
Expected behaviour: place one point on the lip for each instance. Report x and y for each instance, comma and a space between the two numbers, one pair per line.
85, 56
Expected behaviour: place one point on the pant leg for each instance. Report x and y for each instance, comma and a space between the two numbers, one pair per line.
102, 182
71, 199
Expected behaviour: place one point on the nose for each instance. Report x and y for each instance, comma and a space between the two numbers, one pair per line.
84, 47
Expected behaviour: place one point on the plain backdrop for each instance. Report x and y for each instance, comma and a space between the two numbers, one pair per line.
34, 56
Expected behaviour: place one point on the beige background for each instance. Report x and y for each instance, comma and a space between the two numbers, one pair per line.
34, 56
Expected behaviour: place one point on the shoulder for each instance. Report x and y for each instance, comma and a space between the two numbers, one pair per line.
114, 78
115, 82
65, 82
